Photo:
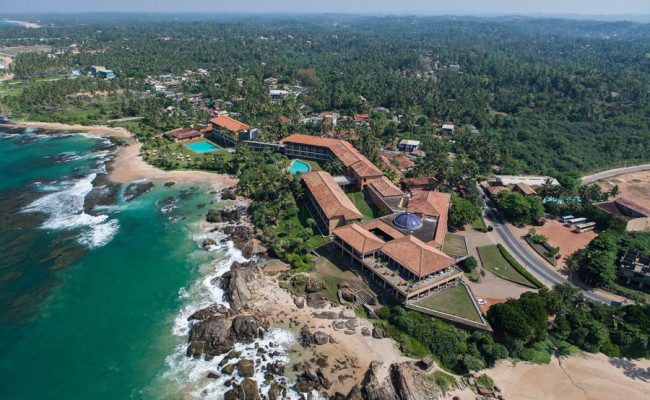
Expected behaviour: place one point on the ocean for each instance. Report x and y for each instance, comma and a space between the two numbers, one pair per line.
94, 301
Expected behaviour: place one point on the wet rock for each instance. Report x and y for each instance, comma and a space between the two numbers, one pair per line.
246, 368
205, 313
210, 337
101, 196
225, 215
137, 189
208, 242
169, 184
274, 391
276, 368
243, 284
228, 369
228, 194
377, 333
322, 380
365, 331
213, 375
246, 327
232, 394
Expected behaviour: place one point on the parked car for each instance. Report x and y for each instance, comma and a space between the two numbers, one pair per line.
481, 302
490, 228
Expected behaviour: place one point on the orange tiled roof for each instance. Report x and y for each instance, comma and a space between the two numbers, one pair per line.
360, 239
385, 187
417, 181
382, 226
427, 202
416, 256
385, 157
343, 150
229, 123
329, 196
404, 162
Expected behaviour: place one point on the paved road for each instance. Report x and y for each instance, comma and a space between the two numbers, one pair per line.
527, 257
613, 172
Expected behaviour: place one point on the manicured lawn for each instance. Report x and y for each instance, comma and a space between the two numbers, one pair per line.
368, 211
479, 224
454, 244
494, 262
455, 301
179, 152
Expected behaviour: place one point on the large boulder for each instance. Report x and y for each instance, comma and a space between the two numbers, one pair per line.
228, 194
426, 362
246, 368
316, 300
246, 327
305, 386
377, 333
320, 338
225, 215
405, 382
243, 284
312, 287
210, 337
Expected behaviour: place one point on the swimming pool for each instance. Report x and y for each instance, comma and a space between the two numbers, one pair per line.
299, 166
203, 147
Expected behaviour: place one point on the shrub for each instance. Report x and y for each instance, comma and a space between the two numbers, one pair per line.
518, 267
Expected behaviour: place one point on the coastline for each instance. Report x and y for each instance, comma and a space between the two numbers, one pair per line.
24, 24
128, 165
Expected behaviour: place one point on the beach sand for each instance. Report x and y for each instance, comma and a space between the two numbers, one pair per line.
128, 165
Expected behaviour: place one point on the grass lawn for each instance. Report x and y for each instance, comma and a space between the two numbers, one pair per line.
367, 210
294, 226
314, 165
454, 244
541, 250
494, 262
455, 301
479, 224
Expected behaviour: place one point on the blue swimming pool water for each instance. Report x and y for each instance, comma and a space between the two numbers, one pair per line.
203, 147
299, 166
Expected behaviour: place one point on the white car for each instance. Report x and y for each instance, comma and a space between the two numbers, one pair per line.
481, 302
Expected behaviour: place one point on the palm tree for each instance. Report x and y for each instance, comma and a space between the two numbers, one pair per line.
614, 192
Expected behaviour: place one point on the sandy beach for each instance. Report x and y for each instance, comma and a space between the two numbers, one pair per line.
128, 164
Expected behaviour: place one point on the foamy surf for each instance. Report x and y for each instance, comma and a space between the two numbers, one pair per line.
189, 375
64, 206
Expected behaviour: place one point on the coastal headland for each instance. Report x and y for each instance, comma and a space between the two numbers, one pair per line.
345, 359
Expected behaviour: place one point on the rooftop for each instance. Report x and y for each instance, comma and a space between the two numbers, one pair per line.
417, 256
428, 202
229, 123
358, 238
385, 187
329, 196
184, 133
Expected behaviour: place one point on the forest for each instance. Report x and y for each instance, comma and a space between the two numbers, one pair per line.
548, 96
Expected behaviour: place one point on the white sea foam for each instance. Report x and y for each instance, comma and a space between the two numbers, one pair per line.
64, 207
190, 374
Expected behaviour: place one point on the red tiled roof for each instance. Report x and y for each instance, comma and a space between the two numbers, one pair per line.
416, 256
386, 159
404, 162
427, 202
633, 205
409, 182
229, 123
385, 187
185, 133
329, 196
382, 226
360, 239
343, 150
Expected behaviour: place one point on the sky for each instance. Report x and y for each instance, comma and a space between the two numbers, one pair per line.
437, 7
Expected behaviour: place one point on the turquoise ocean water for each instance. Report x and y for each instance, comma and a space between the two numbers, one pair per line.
95, 306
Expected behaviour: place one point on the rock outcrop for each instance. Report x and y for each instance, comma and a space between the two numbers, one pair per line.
405, 382
243, 284
226, 215
211, 337
246, 327
137, 189
228, 194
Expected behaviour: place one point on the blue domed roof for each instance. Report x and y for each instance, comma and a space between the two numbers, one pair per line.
407, 221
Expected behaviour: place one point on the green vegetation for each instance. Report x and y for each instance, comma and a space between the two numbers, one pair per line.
494, 261
454, 244
479, 224
463, 211
443, 380
369, 211
541, 250
518, 267
455, 301
519, 208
